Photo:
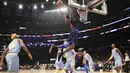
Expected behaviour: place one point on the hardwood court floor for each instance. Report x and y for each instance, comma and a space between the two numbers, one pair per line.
45, 71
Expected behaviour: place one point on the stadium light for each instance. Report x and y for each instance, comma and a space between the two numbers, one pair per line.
20, 6
54, 2
47, 0
42, 6
5, 3
35, 6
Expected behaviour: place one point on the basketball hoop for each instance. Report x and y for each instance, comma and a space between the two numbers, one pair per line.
83, 15
91, 6
94, 3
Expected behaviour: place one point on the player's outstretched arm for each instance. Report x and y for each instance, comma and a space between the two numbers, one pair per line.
110, 57
25, 49
70, 15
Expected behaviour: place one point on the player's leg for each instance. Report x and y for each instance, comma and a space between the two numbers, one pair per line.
117, 69
59, 67
67, 66
72, 63
72, 46
120, 69
118, 65
86, 68
73, 69
91, 66
12, 62
62, 70
76, 66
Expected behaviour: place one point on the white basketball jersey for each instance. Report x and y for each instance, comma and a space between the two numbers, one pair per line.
88, 57
115, 53
69, 54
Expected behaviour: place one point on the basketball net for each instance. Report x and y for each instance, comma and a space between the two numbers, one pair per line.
83, 15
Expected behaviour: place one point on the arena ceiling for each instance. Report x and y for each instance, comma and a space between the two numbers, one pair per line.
53, 22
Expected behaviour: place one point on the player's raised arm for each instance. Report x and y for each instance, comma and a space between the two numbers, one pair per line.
61, 4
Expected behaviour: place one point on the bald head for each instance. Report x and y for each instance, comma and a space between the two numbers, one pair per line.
113, 46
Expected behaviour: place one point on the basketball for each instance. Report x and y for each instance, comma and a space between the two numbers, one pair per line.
59, 3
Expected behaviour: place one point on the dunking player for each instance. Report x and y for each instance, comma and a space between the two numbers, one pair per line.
12, 52
118, 58
73, 37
